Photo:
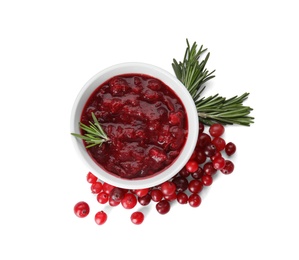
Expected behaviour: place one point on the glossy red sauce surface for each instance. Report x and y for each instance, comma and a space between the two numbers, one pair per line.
145, 121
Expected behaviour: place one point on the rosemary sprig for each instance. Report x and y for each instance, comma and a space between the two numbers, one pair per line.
95, 135
193, 74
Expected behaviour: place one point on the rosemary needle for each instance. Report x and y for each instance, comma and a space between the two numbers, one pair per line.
95, 135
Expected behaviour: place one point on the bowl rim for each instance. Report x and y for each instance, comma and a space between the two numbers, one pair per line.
167, 78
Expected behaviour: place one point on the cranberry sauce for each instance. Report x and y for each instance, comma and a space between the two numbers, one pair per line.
145, 121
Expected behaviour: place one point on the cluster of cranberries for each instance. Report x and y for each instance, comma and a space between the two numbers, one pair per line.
209, 156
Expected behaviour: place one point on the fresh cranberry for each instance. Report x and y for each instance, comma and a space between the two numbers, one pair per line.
207, 180
200, 156
81, 209
219, 143
163, 206
102, 197
129, 201
170, 197
141, 192
219, 163
201, 127
191, 166
100, 217
91, 178
210, 150
203, 140
194, 200
181, 183
117, 194
156, 195
112, 202
195, 186
216, 130
182, 198
209, 169
230, 148
184, 172
107, 188
137, 217
168, 188
145, 200
96, 187
198, 174
228, 168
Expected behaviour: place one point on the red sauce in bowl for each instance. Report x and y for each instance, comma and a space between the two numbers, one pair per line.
145, 121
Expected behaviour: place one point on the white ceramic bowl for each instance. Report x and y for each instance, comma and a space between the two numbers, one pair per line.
169, 80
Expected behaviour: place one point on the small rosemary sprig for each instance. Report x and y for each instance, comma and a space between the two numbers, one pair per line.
193, 74
95, 135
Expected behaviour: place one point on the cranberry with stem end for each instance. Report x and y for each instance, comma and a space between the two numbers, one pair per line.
81, 209
129, 201
219, 143
100, 217
117, 194
228, 168
210, 150
137, 217
102, 197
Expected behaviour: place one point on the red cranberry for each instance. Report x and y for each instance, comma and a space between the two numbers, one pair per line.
156, 195
96, 187
191, 166
228, 168
195, 186
182, 198
210, 150
219, 163
219, 143
207, 180
209, 169
168, 188
137, 217
145, 200
194, 200
81, 209
181, 183
216, 130
100, 217
102, 197
117, 194
91, 178
163, 207
129, 200
230, 148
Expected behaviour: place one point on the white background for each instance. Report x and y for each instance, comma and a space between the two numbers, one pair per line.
49, 49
